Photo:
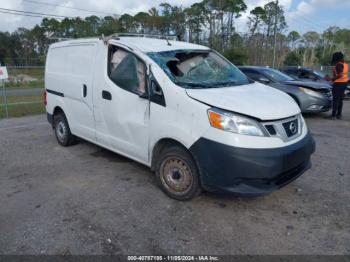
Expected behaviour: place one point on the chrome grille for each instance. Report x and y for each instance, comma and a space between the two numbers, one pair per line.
291, 127
286, 129
271, 129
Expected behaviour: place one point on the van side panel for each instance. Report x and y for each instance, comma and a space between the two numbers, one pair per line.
54, 73
69, 83
77, 88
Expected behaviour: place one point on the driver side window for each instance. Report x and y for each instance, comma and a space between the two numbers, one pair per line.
126, 70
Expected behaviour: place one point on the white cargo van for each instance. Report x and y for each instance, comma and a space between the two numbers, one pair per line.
179, 108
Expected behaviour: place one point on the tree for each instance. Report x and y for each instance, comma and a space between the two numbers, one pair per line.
233, 9
219, 16
127, 23
236, 52
208, 22
293, 59
293, 38
257, 17
142, 22
156, 22
108, 26
195, 20
311, 39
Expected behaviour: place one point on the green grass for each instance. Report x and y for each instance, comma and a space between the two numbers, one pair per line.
26, 105
30, 84
16, 99
33, 72
37, 73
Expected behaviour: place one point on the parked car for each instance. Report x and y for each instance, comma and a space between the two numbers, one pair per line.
311, 97
179, 108
306, 74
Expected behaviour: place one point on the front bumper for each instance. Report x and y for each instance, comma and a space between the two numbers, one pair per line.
309, 104
250, 172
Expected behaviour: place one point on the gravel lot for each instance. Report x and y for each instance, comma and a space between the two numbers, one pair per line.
87, 200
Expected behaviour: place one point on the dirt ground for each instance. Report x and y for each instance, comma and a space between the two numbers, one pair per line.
86, 200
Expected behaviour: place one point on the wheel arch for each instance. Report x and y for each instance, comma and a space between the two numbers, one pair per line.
57, 110
163, 143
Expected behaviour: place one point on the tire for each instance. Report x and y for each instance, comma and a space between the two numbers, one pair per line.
177, 173
62, 131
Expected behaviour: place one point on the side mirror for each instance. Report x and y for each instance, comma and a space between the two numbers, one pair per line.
144, 95
264, 80
156, 90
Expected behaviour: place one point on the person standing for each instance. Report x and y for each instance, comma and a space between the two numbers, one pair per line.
340, 80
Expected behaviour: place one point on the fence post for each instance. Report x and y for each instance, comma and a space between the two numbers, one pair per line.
5, 98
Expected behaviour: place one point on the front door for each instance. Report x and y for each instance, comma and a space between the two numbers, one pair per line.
124, 114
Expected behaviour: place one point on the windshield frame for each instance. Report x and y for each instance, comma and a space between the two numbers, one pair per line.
158, 58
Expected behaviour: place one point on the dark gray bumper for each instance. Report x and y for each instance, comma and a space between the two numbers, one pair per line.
250, 172
309, 104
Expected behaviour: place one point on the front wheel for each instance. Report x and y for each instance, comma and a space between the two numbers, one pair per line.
177, 173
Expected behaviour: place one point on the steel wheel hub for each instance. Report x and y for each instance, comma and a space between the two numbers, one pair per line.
176, 175
61, 130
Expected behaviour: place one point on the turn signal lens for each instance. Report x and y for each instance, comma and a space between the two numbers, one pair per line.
215, 119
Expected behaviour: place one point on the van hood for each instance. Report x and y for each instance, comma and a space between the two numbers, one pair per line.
256, 100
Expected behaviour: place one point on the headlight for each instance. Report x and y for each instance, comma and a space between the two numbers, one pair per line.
310, 92
235, 123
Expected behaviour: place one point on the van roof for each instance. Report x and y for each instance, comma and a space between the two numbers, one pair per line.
142, 44
146, 45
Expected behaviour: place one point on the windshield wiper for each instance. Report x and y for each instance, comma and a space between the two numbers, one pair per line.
207, 85
193, 85
225, 83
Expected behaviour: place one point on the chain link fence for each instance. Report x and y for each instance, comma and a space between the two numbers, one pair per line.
23, 91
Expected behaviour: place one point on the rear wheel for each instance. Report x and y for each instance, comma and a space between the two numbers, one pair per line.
177, 173
62, 131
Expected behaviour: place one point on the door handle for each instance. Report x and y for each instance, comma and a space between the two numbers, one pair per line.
84, 90
106, 95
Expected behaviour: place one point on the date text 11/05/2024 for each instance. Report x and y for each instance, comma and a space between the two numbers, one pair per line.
173, 258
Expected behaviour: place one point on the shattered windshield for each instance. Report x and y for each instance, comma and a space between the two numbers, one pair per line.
198, 69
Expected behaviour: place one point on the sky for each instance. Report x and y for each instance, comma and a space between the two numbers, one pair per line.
301, 15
